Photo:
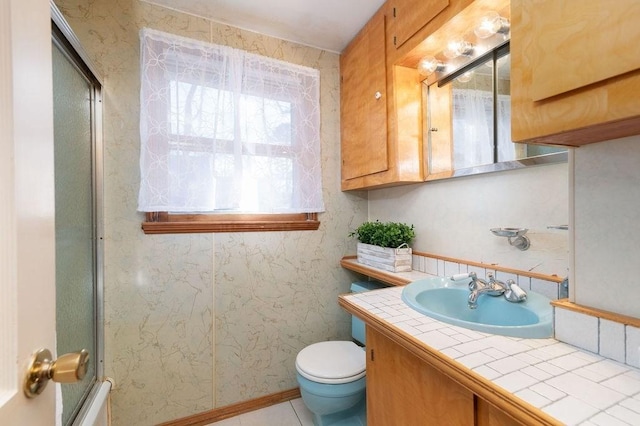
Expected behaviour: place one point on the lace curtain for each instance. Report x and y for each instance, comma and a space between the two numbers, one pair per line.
224, 130
473, 128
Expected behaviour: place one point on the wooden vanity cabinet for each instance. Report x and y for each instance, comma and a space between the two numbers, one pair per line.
575, 71
488, 415
402, 389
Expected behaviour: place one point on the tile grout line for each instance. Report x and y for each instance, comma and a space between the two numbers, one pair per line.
295, 413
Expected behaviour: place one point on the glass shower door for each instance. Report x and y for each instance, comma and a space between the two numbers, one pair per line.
76, 232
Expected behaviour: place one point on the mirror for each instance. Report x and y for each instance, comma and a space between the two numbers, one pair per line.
468, 122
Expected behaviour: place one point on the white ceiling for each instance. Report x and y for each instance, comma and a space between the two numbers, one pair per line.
325, 24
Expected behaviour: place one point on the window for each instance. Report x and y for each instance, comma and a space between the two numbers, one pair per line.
226, 136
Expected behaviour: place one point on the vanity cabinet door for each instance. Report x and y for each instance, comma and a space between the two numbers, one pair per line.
575, 70
488, 415
411, 15
403, 390
363, 102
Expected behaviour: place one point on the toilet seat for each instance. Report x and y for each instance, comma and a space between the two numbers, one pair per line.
332, 362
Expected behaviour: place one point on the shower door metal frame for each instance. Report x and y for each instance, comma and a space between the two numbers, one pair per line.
65, 39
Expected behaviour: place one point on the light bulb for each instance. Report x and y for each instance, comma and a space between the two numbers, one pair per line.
457, 48
429, 65
490, 24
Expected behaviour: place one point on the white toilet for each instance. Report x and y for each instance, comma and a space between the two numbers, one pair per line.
331, 375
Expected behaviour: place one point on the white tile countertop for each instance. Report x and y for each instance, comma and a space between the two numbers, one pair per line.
572, 385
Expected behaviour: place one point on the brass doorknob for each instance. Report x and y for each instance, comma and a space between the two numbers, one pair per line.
68, 368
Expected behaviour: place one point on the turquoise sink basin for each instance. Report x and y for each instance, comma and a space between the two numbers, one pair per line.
446, 301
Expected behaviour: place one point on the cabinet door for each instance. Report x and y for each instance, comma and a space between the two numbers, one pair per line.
575, 70
488, 415
363, 103
589, 40
403, 390
411, 15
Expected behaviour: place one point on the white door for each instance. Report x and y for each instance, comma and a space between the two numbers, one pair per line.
27, 235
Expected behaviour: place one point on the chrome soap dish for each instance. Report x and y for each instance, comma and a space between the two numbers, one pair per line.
515, 236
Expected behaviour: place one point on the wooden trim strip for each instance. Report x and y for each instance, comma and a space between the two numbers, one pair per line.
222, 413
495, 395
554, 278
594, 133
611, 316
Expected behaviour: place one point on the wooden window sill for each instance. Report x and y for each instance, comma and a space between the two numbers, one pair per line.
165, 223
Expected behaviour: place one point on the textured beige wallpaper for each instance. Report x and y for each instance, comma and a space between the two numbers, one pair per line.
453, 217
194, 322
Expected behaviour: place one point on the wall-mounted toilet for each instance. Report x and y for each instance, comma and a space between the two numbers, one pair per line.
331, 375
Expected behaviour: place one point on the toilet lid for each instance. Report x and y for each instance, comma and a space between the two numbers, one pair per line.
332, 362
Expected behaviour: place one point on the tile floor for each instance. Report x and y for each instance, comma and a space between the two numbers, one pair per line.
290, 413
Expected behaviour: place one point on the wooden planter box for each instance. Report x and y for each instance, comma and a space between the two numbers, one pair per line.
388, 259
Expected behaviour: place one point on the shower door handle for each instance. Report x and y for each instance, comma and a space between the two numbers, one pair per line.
68, 368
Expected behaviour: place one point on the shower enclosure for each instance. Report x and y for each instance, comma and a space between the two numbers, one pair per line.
78, 220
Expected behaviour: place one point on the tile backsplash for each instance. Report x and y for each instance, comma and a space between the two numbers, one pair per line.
429, 264
610, 339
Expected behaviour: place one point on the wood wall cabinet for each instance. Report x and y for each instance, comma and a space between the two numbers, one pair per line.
402, 389
379, 112
575, 71
363, 102
381, 94
411, 22
411, 15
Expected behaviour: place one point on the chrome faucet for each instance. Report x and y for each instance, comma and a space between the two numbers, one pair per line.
478, 286
510, 290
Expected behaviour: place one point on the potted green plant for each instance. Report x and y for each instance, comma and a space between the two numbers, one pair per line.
385, 245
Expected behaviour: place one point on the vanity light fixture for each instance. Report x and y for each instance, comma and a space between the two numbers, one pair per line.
490, 24
492, 31
429, 65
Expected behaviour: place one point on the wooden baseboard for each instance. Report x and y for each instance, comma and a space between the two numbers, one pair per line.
228, 411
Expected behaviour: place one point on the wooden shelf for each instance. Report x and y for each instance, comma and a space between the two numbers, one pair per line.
391, 278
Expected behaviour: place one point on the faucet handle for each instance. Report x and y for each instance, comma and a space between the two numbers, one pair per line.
515, 293
464, 276
459, 278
